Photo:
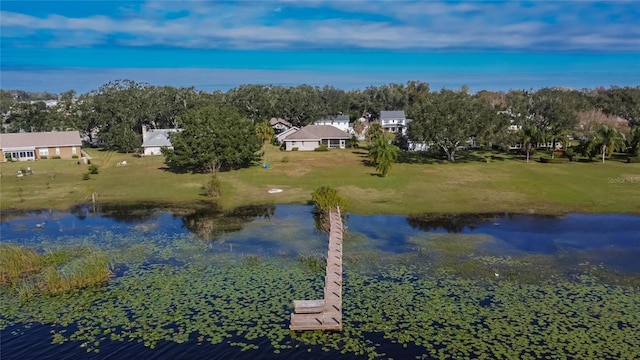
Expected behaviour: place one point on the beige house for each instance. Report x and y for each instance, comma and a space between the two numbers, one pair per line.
40, 145
310, 137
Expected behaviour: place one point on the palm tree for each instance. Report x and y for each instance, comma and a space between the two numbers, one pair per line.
556, 132
264, 131
530, 136
374, 132
609, 139
383, 155
634, 141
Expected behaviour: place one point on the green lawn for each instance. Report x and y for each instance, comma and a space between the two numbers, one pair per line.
502, 185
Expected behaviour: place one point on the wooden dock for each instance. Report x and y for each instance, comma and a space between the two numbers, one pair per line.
326, 313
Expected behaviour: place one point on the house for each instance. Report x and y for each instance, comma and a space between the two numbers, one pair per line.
341, 122
279, 125
40, 145
154, 140
283, 135
394, 121
310, 137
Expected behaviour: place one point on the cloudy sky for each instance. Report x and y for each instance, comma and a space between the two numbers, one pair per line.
60, 45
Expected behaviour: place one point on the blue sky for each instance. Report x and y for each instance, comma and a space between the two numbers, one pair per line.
495, 45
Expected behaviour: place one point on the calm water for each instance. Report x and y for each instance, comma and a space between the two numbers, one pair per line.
610, 240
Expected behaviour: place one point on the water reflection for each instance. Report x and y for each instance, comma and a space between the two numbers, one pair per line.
292, 229
210, 223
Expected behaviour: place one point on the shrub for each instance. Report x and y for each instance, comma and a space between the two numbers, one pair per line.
74, 156
570, 154
212, 187
285, 159
56, 157
322, 147
326, 198
633, 160
86, 176
295, 148
93, 170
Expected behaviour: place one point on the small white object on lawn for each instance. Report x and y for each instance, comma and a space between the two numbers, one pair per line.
273, 191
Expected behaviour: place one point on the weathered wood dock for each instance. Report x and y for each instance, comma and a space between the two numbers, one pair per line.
326, 313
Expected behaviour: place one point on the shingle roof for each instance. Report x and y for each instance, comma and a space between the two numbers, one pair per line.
41, 139
274, 121
158, 138
336, 118
390, 115
318, 132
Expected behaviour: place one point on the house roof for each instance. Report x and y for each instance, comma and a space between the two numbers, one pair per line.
158, 138
318, 132
287, 132
336, 118
40, 139
274, 121
390, 115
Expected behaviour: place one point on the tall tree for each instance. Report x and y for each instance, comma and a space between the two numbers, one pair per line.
555, 113
449, 119
213, 138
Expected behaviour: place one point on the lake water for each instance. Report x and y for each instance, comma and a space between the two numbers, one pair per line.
219, 285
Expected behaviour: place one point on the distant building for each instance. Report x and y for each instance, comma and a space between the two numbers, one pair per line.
279, 125
394, 121
40, 145
312, 136
340, 122
153, 141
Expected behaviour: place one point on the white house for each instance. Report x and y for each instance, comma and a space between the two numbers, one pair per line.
394, 121
340, 122
310, 137
154, 140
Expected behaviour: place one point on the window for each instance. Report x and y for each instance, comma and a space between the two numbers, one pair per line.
73, 150
43, 152
57, 151
294, 143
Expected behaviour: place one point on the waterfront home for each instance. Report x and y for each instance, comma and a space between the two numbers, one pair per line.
312, 136
154, 140
394, 121
341, 122
40, 145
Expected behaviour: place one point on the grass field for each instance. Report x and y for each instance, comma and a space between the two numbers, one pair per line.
505, 184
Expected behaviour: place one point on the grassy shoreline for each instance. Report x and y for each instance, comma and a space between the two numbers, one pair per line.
506, 184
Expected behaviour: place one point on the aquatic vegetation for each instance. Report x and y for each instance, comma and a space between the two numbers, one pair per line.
425, 296
16, 261
53, 272
237, 301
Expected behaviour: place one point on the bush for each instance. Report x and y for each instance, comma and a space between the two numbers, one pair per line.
554, 161
74, 156
285, 159
295, 148
56, 157
93, 170
322, 147
570, 154
212, 187
86, 176
326, 198
633, 160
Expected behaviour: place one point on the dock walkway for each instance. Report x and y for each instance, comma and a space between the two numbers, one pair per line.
326, 313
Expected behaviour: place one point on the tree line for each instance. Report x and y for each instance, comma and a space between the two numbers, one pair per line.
114, 114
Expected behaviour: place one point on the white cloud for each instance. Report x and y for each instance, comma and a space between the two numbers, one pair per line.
422, 25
